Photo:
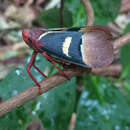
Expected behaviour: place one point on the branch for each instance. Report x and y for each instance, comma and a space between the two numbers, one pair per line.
89, 12
118, 43
113, 70
33, 91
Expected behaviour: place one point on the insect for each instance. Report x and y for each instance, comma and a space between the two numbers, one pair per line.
88, 47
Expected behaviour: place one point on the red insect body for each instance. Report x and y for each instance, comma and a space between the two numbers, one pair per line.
31, 38
27, 36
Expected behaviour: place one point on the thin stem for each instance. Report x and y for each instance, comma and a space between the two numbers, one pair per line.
89, 12
62, 13
33, 91
121, 41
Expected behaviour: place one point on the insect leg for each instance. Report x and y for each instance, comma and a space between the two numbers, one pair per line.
50, 59
31, 63
39, 71
61, 62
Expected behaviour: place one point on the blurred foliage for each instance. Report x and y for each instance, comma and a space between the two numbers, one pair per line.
51, 18
50, 111
22, 79
125, 54
101, 105
105, 11
19, 118
58, 105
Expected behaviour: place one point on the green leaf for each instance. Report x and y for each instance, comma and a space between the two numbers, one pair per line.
15, 82
18, 79
126, 85
51, 18
125, 57
102, 107
18, 119
78, 12
58, 105
105, 11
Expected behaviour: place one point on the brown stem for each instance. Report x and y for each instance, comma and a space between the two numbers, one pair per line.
113, 70
33, 91
89, 12
51, 82
118, 43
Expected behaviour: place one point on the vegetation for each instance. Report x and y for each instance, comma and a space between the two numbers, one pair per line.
95, 102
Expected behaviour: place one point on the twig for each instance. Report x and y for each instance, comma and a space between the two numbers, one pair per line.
62, 13
113, 70
114, 28
89, 12
118, 43
33, 91
125, 7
